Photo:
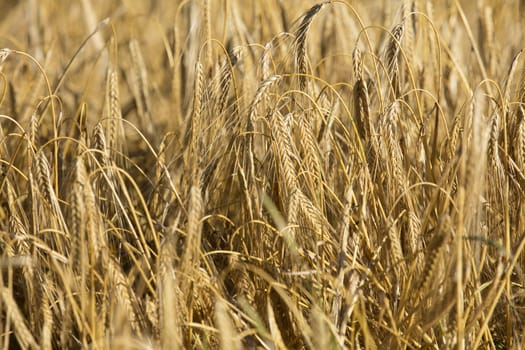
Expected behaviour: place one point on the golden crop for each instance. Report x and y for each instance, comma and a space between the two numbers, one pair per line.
262, 174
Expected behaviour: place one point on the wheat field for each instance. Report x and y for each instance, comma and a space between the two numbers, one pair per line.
262, 174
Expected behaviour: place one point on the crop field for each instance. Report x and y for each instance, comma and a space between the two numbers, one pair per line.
262, 174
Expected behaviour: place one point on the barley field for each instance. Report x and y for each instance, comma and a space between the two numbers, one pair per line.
262, 174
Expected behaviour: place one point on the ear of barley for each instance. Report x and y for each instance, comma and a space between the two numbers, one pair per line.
114, 130
262, 89
486, 37
225, 82
204, 306
496, 166
42, 171
285, 150
393, 155
171, 314
190, 259
520, 140
155, 203
23, 334
361, 98
275, 332
407, 17
307, 133
122, 296
47, 323
78, 222
207, 31
509, 80
396, 250
34, 134
300, 40
392, 55
227, 332
196, 127
266, 60
412, 240
140, 88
